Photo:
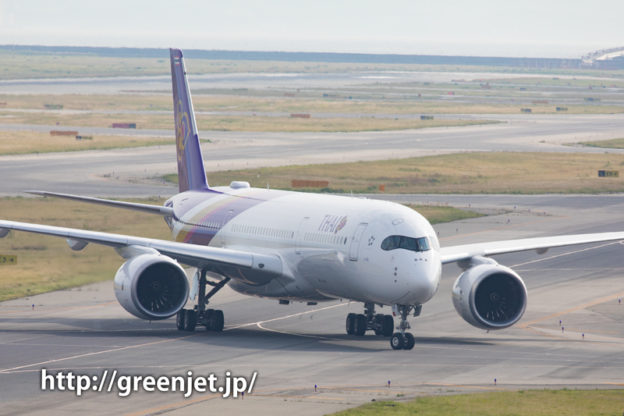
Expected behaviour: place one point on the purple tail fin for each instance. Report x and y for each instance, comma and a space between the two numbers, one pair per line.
191, 173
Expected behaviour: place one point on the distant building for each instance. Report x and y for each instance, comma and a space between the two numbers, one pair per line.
604, 59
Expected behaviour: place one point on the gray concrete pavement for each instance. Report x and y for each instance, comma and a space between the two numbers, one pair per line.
294, 347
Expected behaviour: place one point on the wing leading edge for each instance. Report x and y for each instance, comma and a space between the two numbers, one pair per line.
465, 252
190, 254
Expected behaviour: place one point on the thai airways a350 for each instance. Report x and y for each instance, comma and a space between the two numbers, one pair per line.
295, 246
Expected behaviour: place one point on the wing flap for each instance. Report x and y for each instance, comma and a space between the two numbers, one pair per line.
464, 252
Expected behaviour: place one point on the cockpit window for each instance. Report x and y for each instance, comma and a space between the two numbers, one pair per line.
408, 243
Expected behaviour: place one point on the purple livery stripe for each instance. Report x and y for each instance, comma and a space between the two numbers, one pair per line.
203, 226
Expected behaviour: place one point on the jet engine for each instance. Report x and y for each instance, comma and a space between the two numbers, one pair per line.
151, 286
489, 296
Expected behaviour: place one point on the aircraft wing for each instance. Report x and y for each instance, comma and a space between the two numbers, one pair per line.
126, 246
541, 244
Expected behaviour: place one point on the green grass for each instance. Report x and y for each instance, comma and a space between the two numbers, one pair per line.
520, 403
607, 144
482, 173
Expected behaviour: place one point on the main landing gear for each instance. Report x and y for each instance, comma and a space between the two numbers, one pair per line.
358, 324
212, 319
404, 340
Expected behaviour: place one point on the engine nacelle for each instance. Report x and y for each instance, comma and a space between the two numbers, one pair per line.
489, 296
151, 286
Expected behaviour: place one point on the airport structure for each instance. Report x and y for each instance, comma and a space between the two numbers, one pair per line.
605, 59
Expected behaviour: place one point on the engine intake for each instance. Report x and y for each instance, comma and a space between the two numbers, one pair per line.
490, 296
151, 286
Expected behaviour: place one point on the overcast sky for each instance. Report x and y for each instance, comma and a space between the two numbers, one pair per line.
535, 28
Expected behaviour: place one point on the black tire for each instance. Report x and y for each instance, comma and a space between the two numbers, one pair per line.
378, 324
217, 321
190, 320
359, 328
388, 325
350, 323
206, 321
180, 319
408, 341
397, 341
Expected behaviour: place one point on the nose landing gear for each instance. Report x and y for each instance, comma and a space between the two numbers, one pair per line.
404, 340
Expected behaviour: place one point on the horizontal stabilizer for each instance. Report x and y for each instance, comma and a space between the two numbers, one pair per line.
152, 209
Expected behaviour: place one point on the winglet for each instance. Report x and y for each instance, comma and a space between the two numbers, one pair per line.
191, 173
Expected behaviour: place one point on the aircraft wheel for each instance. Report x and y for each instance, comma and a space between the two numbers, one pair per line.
388, 325
190, 320
408, 341
218, 320
359, 328
351, 323
180, 319
397, 341
378, 324
215, 320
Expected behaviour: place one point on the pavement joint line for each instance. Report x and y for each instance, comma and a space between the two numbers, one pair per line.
575, 336
87, 368
172, 406
259, 325
8, 370
564, 254
88, 354
41, 311
503, 226
570, 310
284, 317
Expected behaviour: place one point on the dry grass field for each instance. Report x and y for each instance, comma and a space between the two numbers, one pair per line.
368, 102
234, 122
606, 144
47, 263
492, 172
19, 142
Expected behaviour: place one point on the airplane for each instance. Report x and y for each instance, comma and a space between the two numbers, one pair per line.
294, 246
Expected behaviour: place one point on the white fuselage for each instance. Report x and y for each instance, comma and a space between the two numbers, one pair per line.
330, 246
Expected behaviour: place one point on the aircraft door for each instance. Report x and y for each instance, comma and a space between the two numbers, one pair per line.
354, 248
301, 234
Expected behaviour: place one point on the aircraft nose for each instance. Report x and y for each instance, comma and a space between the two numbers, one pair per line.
424, 279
